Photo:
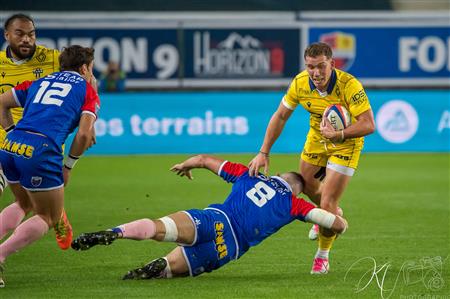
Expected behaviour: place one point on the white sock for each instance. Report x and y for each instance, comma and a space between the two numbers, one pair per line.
323, 254
167, 271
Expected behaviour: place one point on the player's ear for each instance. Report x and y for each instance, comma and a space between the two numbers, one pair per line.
333, 63
83, 70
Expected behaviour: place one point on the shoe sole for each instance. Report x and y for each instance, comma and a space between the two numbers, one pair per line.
87, 241
151, 270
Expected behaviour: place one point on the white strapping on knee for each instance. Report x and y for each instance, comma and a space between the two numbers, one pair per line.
171, 229
321, 217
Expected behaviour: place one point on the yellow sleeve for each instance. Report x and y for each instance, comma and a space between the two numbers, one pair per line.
290, 98
356, 98
56, 60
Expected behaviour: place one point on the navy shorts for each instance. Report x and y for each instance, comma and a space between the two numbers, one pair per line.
215, 241
32, 160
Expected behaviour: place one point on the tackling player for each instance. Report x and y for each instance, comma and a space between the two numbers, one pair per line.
256, 208
326, 151
31, 155
23, 60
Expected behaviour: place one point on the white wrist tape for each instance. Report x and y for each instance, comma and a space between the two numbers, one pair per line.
71, 161
321, 217
171, 229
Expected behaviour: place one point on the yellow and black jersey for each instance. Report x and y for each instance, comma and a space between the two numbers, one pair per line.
43, 62
343, 89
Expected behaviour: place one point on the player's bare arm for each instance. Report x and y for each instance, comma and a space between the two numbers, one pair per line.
200, 161
7, 102
83, 138
274, 129
82, 141
364, 126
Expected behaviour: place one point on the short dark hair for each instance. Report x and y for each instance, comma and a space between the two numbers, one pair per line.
298, 177
294, 178
17, 16
317, 49
73, 57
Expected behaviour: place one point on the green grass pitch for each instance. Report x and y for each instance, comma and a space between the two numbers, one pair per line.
397, 206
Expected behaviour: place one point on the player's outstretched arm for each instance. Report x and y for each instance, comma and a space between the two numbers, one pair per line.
7, 101
209, 162
327, 220
273, 131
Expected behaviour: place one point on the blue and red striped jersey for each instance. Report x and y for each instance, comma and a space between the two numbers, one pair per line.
53, 105
259, 206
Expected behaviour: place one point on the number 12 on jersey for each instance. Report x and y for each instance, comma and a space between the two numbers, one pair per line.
46, 91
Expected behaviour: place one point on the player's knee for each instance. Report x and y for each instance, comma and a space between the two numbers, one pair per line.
170, 233
314, 195
49, 219
25, 205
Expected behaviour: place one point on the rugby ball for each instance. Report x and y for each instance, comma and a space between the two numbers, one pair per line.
338, 116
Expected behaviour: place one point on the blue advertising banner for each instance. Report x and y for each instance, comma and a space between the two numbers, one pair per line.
410, 121
383, 52
237, 53
150, 54
227, 122
174, 54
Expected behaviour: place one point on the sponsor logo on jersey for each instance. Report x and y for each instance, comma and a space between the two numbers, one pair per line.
359, 97
311, 156
345, 158
38, 72
237, 56
221, 247
397, 121
41, 57
17, 148
343, 46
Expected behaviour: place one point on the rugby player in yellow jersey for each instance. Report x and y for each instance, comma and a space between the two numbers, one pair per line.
326, 151
21, 61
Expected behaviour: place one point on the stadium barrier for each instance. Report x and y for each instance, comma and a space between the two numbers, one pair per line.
235, 122
255, 50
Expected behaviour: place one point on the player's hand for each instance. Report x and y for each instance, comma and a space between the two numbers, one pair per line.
66, 175
259, 161
93, 139
181, 170
93, 82
327, 131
